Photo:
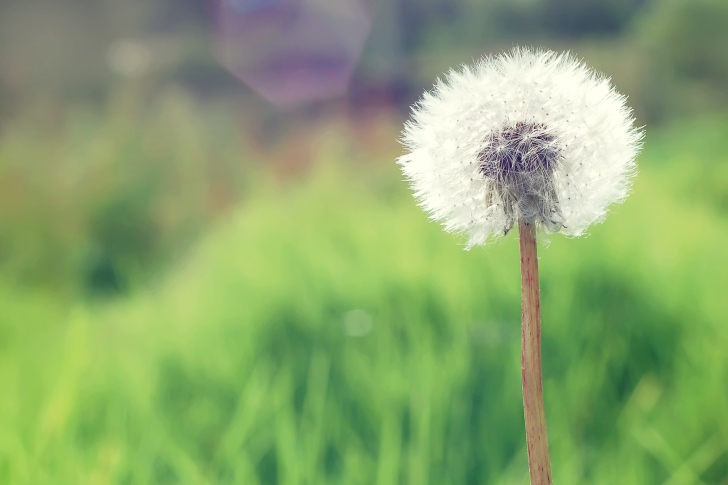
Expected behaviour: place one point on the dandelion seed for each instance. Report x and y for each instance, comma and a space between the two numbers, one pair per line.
554, 147
550, 120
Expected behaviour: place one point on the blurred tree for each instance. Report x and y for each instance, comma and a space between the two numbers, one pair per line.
684, 44
586, 17
524, 19
689, 37
62, 47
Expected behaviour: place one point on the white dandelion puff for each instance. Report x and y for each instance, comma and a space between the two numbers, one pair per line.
529, 135
532, 137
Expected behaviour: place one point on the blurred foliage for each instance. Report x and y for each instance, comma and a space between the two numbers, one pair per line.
671, 52
89, 201
287, 315
690, 37
559, 18
328, 333
684, 44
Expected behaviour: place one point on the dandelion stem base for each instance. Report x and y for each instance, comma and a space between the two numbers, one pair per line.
536, 439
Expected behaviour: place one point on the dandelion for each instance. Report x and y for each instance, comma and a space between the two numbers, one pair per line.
530, 137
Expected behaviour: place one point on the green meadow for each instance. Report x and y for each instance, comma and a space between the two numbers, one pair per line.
319, 330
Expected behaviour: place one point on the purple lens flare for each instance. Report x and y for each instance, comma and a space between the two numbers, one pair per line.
291, 51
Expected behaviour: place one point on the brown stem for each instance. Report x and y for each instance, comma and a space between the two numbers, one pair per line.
536, 438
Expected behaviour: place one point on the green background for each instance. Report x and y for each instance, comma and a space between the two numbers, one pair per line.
208, 290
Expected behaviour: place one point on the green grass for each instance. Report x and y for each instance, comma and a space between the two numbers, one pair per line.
327, 333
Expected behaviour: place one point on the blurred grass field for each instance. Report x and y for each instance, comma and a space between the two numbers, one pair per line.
322, 331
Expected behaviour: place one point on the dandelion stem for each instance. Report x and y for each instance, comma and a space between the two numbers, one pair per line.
539, 464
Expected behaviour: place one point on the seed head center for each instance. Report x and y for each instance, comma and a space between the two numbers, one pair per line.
518, 163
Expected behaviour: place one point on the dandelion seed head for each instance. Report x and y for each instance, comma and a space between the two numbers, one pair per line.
531, 135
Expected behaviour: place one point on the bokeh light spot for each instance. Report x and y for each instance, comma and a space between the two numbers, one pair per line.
291, 51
